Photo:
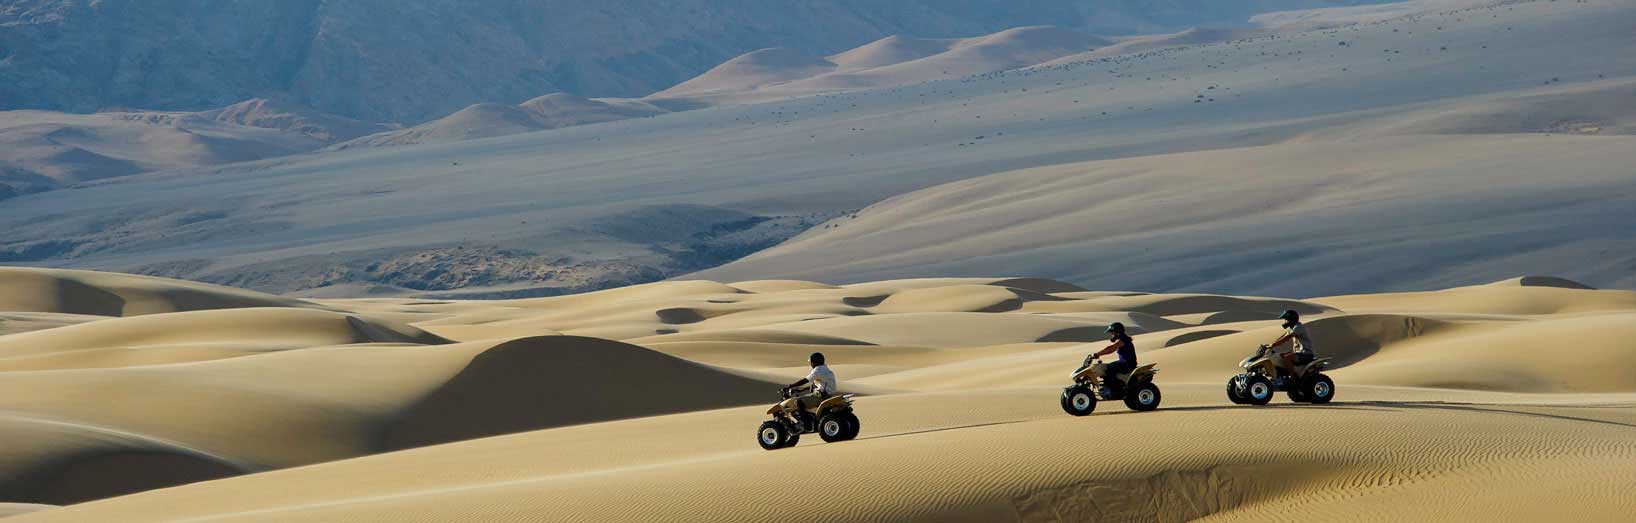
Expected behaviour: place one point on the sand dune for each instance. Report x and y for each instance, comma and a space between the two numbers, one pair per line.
1148, 43
1191, 194
487, 120
104, 294
1447, 389
891, 50
1303, 243
44, 150
1016, 463
750, 71
286, 116
1558, 296
12, 509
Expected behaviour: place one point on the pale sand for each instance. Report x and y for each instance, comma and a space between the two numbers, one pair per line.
1509, 400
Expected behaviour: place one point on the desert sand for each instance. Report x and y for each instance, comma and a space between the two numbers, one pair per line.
1440, 187
1504, 400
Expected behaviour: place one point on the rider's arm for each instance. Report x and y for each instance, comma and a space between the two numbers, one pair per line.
1281, 340
798, 383
1111, 348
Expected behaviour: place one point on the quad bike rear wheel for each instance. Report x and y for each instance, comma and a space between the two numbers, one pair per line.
1143, 398
1078, 401
836, 426
773, 436
1319, 390
1257, 390
852, 425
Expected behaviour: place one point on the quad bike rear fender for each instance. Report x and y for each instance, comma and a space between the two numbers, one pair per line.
1142, 374
1314, 366
844, 400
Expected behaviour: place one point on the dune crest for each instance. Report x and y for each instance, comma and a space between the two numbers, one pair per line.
348, 390
105, 294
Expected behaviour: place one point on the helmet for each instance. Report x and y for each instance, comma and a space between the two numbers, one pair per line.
1290, 316
1116, 327
816, 359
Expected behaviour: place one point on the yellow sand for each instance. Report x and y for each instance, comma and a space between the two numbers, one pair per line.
1503, 401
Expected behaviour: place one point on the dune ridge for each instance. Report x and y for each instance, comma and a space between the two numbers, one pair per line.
364, 412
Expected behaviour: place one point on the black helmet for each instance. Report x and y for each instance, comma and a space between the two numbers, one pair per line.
1116, 327
1290, 316
816, 359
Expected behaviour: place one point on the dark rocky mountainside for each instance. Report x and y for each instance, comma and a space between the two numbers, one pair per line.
413, 60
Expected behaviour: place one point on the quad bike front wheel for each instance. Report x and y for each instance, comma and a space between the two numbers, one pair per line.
1232, 391
1319, 390
1078, 401
1257, 390
1144, 398
773, 436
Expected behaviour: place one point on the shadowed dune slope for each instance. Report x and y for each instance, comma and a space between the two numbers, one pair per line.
109, 294
1442, 211
1515, 296
551, 381
252, 328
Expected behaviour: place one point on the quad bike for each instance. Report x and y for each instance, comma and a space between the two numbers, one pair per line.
1138, 392
1262, 377
833, 420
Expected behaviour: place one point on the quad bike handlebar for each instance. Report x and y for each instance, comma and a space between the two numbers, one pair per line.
789, 392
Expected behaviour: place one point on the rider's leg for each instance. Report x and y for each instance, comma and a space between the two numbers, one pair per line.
1100, 370
1115, 369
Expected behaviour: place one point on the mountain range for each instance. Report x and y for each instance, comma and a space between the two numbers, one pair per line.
409, 61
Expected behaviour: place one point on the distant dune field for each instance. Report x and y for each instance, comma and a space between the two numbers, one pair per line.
1448, 117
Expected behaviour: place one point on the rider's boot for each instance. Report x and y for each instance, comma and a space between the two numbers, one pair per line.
1112, 389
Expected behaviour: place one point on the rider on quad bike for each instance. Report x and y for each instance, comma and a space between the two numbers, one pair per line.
821, 409
822, 381
1296, 332
1122, 344
1120, 380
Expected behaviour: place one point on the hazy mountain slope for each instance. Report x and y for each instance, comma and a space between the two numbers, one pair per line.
43, 150
284, 116
1299, 219
487, 120
761, 75
901, 61
409, 61
628, 199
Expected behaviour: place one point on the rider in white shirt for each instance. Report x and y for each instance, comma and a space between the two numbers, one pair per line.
822, 380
